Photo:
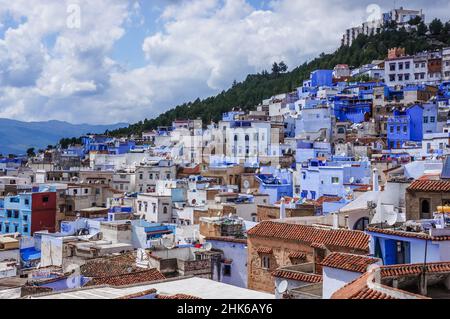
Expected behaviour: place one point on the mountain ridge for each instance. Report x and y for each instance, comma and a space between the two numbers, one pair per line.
17, 136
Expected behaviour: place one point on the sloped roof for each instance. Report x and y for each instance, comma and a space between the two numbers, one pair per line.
298, 276
311, 234
429, 186
349, 262
128, 279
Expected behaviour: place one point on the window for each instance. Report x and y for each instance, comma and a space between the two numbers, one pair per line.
27, 201
400, 66
165, 210
392, 77
400, 77
227, 270
168, 176
16, 214
6, 229
25, 217
335, 180
9, 213
86, 191
406, 77
154, 208
392, 66
265, 262
150, 176
407, 65
398, 129
425, 119
141, 176
25, 229
432, 119
405, 129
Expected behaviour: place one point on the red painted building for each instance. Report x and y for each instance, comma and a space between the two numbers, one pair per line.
43, 212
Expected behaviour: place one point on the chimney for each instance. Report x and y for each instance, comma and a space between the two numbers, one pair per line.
375, 184
283, 208
335, 221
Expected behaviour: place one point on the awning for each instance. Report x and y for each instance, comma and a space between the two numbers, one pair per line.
264, 250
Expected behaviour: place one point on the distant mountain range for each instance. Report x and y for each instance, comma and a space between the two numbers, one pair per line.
16, 136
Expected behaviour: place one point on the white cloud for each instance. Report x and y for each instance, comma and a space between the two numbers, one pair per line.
49, 71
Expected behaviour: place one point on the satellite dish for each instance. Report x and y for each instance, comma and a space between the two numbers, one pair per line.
168, 243
282, 287
207, 246
352, 180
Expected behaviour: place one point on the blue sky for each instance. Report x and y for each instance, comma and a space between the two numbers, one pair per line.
125, 60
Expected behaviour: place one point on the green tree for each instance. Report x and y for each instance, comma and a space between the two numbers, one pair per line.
282, 67
422, 28
436, 27
30, 152
275, 68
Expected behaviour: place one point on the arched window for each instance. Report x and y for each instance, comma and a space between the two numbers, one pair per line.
361, 224
235, 138
165, 210
425, 209
247, 138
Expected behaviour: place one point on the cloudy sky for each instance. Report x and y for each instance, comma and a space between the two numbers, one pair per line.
108, 61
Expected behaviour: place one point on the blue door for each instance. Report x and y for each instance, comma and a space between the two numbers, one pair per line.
390, 252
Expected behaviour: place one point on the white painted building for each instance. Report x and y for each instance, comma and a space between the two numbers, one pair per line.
155, 208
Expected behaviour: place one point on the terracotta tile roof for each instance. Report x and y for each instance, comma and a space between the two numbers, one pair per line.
296, 275
367, 293
103, 267
327, 199
228, 239
178, 296
414, 269
349, 262
297, 255
191, 170
318, 245
310, 234
264, 250
429, 186
358, 289
128, 279
407, 234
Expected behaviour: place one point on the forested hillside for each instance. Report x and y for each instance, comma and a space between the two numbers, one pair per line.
257, 87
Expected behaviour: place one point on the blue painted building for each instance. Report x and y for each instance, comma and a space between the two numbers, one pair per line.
332, 179
231, 116
352, 109
232, 269
27, 213
321, 78
401, 247
405, 125
276, 184
143, 232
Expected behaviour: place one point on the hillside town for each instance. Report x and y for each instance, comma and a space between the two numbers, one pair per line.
337, 190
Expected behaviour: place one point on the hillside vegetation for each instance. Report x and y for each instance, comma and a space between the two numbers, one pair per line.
257, 87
